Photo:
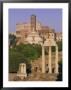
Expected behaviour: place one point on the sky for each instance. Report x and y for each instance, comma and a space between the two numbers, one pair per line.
48, 17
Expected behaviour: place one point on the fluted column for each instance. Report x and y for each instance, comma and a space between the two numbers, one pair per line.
56, 60
43, 59
49, 62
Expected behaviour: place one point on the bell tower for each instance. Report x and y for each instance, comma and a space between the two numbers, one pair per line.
33, 22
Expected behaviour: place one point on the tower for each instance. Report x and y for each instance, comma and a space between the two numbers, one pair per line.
33, 22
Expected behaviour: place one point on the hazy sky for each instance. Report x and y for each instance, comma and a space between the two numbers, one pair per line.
48, 17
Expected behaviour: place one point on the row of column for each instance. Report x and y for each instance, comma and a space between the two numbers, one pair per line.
50, 60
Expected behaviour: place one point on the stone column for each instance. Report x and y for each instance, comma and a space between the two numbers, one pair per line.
56, 60
49, 64
19, 68
43, 59
22, 71
22, 68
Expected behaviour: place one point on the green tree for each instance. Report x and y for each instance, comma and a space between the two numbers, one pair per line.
15, 58
30, 51
59, 45
12, 40
59, 77
23, 53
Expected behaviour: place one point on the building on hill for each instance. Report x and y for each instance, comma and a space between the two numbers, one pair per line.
23, 30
